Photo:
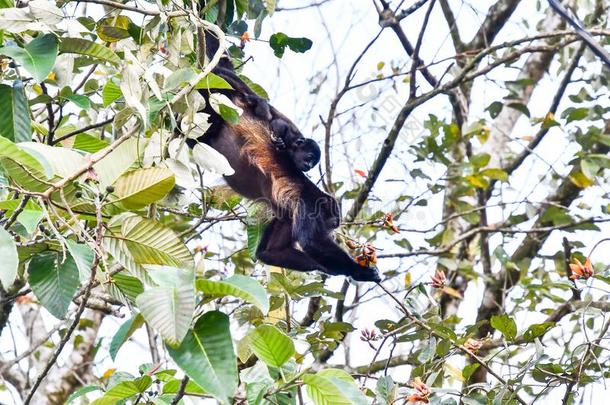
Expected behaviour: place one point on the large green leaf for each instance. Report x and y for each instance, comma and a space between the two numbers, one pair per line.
15, 114
22, 167
124, 390
333, 387
125, 331
169, 308
141, 187
238, 286
62, 161
119, 161
37, 57
53, 282
149, 242
134, 241
82, 46
206, 355
9, 260
271, 345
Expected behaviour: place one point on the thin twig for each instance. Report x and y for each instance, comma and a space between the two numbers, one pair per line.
84, 129
181, 391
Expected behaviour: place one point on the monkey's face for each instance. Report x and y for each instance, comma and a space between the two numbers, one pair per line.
305, 153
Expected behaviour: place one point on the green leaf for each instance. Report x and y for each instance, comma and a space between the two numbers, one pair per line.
113, 29
83, 257
125, 331
124, 390
522, 108
495, 108
82, 391
576, 114
506, 325
469, 370
270, 5
180, 78
88, 143
495, 174
428, 351
37, 57
206, 355
78, 99
9, 260
477, 180
333, 387
271, 345
29, 217
238, 286
536, 330
213, 81
118, 161
59, 160
480, 160
85, 47
173, 386
129, 286
279, 41
141, 187
169, 308
149, 242
255, 87
15, 113
386, 390
255, 229
228, 114
110, 93
53, 282
22, 167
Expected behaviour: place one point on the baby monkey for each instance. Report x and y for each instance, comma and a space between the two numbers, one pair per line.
304, 152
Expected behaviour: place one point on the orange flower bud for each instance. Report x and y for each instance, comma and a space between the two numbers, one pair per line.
422, 392
579, 270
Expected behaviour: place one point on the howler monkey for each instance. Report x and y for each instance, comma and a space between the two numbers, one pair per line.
299, 235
